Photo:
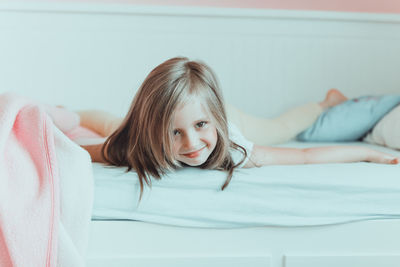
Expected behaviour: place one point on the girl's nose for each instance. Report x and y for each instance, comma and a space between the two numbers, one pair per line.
191, 139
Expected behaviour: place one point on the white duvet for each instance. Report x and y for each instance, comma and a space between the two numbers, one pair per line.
302, 195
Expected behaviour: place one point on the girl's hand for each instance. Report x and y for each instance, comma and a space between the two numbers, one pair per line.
380, 157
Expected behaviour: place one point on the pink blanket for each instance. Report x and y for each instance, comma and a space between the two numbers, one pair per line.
40, 223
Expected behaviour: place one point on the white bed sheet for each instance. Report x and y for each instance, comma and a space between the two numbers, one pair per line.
302, 195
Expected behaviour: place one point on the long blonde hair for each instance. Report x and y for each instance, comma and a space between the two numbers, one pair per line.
143, 142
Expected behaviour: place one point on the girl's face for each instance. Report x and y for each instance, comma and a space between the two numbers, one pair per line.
194, 133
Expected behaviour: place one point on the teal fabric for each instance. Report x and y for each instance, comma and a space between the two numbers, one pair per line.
351, 120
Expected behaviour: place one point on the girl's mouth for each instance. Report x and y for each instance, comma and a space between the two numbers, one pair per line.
193, 154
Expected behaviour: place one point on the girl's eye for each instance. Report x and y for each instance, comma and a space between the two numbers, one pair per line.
201, 124
176, 132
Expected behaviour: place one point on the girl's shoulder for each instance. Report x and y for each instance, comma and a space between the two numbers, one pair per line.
237, 137
94, 147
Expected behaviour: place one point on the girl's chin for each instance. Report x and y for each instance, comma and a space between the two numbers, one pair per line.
193, 163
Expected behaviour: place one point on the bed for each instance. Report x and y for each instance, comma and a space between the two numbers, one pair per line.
75, 54
315, 215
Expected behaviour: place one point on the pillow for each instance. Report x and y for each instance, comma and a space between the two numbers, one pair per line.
350, 120
387, 131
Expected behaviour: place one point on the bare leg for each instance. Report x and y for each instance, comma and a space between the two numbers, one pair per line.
264, 131
333, 97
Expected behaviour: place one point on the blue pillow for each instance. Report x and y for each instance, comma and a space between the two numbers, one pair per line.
350, 120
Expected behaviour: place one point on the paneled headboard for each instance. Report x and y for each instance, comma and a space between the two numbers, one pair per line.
86, 55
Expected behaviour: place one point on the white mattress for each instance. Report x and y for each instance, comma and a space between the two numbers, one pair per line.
301, 195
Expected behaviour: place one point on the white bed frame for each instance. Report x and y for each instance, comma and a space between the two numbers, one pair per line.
361, 244
96, 55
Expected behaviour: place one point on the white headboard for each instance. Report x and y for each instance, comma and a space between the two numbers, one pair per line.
85, 55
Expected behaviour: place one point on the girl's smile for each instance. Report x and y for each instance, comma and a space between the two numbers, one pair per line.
195, 135
194, 154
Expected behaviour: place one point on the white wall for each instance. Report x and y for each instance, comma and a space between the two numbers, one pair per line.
370, 6
96, 56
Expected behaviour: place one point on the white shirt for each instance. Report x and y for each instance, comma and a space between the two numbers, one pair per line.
236, 136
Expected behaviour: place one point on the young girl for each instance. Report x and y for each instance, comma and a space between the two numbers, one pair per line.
178, 118
262, 131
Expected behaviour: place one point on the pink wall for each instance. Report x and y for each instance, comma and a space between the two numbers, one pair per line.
371, 6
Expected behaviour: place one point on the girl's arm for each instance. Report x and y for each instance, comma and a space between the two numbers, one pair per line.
102, 122
95, 152
262, 155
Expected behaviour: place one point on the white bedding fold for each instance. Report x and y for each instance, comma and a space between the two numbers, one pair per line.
76, 201
302, 195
